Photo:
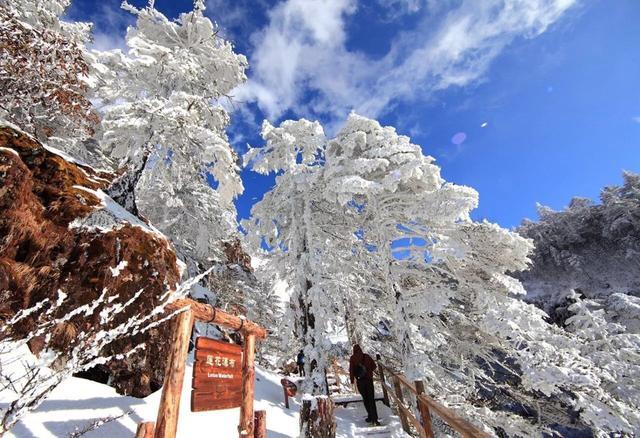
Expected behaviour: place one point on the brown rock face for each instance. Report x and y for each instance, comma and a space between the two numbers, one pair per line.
235, 254
59, 232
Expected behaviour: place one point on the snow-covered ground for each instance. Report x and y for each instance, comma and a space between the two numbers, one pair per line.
78, 403
351, 422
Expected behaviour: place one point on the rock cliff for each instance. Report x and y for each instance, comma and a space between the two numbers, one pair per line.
61, 236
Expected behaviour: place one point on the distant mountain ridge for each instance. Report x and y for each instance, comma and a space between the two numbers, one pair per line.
593, 249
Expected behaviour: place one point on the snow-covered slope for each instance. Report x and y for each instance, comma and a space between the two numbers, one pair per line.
591, 248
80, 405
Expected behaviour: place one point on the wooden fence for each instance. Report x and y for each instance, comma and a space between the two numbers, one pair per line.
426, 405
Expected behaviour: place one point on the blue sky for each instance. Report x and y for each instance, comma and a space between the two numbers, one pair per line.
546, 92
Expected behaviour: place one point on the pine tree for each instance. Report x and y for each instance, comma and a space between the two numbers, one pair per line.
283, 221
164, 123
369, 209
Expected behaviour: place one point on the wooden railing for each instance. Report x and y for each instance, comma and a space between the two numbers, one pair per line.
426, 405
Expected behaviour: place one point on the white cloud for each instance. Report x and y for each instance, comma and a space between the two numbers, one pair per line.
231, 16
636, 119
107, 41
398, 8
300, 60
302, 37
110, 22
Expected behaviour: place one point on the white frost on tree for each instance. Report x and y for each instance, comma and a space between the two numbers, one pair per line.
364, 228
592, 248
282, 220
43, 73
164, 123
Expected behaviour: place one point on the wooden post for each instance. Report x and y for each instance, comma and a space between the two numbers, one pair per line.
385, 396
167, 422
286, 397
424, 410
401, 413
145, 429
245, 429
318, 423
260, 422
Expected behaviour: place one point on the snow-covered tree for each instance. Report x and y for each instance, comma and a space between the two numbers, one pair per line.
164, 124
239, 289
394, 186
585, 275
448, 288
43, 73
45, 14
375, 212
592, 248
282, 220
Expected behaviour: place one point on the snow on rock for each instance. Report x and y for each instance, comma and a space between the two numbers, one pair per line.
116, 271
44, 260
109, 216
593, 249
10, 151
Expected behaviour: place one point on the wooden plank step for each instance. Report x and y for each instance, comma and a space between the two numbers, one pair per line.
345, 399
373, 431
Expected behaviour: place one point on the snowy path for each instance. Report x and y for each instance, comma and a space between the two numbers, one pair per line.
350, 418
352, 398
351, 422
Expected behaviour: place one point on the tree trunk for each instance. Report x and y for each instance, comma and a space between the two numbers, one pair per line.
123, 188
319, 422
307, 323
349, 321
402, 329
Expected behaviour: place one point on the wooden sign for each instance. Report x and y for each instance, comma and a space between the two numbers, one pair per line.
217, 376
188, 310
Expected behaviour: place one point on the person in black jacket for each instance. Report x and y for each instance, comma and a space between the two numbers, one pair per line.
300, 363
361, 367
